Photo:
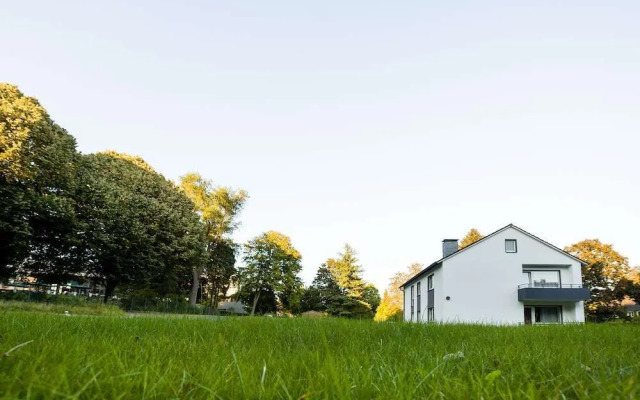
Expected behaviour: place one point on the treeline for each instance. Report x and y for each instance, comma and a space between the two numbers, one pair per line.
609, 277
111, 218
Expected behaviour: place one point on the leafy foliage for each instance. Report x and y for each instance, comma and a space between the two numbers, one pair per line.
471, 237
220, 268
391, 304
339, 289
388, 310
272, 265
137, 228
324, 294
371, 295
37, 179
604, 273
218, 208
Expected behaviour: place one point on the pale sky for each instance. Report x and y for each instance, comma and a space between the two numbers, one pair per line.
387, 125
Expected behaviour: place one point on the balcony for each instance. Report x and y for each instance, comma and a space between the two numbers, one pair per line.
552, 292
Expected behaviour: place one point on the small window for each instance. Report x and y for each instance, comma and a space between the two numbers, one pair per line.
418, 310
412, 298
430, 282
430, 314
510, 246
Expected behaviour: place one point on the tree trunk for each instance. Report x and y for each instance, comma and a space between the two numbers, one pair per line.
255, 302
195, 285
109, 289
214, 298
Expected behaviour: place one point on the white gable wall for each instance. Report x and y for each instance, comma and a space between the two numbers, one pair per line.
482, 281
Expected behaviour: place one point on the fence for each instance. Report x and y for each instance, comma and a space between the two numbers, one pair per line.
130, 304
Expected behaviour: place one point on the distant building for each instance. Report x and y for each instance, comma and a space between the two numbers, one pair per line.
507, 277
632, 310
82, 286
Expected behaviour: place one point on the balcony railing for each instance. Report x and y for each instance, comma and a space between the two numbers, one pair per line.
555, 285
552, 292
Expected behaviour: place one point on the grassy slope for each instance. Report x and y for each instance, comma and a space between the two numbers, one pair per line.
115, 357
93, 308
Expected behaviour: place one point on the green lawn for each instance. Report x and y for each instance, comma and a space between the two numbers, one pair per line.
232, 358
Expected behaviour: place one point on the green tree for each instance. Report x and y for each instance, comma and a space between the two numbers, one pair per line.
471, 237
220, 269
347, 272
218, 208
348, 275
604, 273
371, 295
272, 264
629, 286
138, 230
37, 178
324, 294
391, 304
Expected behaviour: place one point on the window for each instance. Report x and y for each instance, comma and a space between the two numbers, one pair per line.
411, 302
544, 279
430, 282
510, 246
418, 310
542, 315
430, 314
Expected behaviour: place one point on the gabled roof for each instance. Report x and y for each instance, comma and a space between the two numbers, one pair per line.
439, 262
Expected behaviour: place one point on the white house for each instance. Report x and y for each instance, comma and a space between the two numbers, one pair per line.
508, 277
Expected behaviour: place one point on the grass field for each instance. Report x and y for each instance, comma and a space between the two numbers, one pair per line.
234, 358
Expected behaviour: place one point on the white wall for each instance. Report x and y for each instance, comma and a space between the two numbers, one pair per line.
483, 280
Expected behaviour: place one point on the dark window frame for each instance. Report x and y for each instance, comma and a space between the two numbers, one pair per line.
412, 297
515, 245
430, 282
431, 314
418, 302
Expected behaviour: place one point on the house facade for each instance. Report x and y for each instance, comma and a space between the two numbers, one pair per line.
508, 277
632, 310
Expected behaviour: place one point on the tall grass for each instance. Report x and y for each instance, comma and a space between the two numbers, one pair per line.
253, 358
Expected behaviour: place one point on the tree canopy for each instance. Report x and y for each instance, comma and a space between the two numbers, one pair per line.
37, 181
604, 273
470, 238
391, 304
137, 228
218, 208
272, 265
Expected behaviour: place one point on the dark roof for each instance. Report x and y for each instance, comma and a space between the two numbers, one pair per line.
436, 263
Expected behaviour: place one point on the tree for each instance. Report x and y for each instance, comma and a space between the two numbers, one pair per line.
37, 177
220, 269
472, 236
272, 264
604, 272
348, 275
388, 309
391, 304
324, 294
347, 272
138, 230
218, 208
371, 295
629, 286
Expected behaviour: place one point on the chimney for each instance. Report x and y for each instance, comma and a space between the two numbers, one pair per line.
449, 246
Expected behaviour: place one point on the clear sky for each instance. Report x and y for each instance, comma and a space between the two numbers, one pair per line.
387, 125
